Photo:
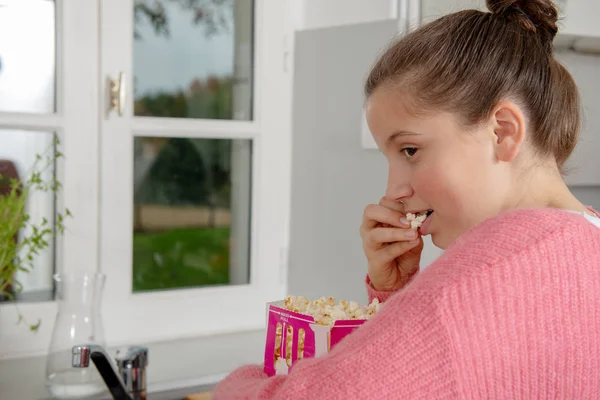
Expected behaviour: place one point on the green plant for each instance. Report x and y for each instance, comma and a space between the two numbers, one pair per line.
22, 238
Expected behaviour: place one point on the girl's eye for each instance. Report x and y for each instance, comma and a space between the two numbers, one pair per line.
409, 152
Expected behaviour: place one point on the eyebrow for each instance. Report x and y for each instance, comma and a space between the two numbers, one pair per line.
398, 134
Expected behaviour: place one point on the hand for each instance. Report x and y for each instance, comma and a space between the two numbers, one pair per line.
393, 250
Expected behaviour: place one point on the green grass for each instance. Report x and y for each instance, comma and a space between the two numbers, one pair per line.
180, 258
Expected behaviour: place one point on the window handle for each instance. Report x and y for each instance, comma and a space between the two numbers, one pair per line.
117, 89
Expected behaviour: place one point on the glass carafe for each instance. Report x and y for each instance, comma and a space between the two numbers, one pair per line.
78, 321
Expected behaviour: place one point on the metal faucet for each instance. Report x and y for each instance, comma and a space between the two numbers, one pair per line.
129, 382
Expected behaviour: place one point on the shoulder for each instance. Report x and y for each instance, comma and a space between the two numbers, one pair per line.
526, 236
514, 231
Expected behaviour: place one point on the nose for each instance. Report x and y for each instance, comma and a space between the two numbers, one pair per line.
398, 186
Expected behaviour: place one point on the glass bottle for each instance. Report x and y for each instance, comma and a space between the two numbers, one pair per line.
78, 322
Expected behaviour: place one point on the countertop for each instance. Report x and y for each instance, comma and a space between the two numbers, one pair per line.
187, 366
199, 396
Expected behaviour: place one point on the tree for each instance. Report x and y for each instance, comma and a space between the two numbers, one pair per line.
215, 15
177, 177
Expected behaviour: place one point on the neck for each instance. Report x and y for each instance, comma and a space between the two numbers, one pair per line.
545, 187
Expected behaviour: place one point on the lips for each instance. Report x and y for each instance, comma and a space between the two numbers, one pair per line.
420, 213
424, 228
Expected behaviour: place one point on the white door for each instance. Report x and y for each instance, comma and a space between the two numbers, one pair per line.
195, 165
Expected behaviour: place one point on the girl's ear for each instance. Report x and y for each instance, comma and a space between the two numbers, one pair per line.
509, 127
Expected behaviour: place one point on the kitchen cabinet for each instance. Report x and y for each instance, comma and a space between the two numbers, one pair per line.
430, 10
333, 178
578, 18
583, 168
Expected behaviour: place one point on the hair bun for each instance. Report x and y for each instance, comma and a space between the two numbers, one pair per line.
540, 16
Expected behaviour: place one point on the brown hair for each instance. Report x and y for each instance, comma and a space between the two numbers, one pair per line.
469, 61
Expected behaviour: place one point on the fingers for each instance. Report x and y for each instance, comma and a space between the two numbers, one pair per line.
376, 214
392, 205
379, 236
392, 251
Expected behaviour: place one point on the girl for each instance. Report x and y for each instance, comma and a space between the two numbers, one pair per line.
476, 119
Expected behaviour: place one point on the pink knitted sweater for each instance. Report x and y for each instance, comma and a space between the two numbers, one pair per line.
510, 311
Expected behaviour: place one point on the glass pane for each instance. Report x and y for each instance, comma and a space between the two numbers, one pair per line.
27, 56
193, 59
191, 212
19, 151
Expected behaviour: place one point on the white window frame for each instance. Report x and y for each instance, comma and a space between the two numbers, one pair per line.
84, 34
76, 123
157, 316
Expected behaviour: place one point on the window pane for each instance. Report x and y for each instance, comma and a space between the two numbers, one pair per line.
193, 59
27, 56
18, 152
191, 212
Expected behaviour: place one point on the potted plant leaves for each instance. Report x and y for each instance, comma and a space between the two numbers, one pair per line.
22, 238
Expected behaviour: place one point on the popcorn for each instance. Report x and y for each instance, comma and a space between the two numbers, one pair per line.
283, 363
288, 345
301, 339
416, 219
325, 311
298, 328
278, 336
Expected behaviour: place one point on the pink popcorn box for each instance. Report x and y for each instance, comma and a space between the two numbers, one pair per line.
293, 336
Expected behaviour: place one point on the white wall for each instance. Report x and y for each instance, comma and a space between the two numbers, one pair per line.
314, 14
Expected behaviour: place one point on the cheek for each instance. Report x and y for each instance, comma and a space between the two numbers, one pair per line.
440, 186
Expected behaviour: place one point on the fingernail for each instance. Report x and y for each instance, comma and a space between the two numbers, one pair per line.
403, 221
410, 233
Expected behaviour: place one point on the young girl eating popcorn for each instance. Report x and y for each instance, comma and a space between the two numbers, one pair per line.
476, 119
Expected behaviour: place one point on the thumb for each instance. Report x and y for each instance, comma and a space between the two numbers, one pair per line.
409, 261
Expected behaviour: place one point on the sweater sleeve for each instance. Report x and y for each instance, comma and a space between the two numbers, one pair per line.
403, 352
376, 294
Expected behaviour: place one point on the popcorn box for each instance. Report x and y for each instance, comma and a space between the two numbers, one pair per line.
292, 336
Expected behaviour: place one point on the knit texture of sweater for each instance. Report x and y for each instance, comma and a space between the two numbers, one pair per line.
511, 310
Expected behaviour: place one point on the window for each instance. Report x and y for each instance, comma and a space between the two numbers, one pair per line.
27, 85
37, 102
178, 182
